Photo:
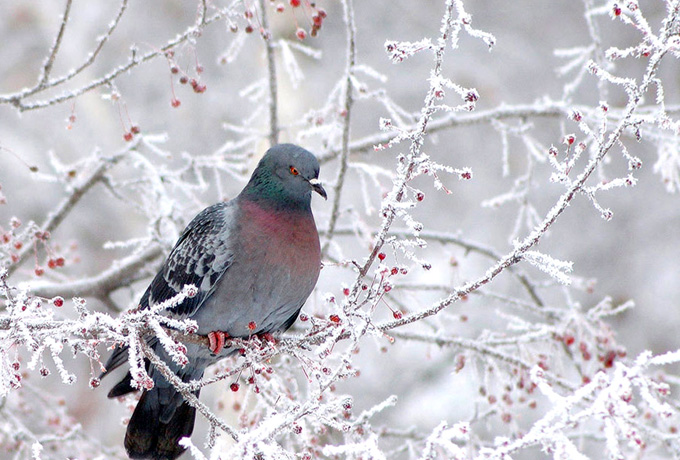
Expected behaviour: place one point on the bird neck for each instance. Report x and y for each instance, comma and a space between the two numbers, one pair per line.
269, 193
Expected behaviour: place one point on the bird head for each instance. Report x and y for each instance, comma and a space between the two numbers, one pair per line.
286, 176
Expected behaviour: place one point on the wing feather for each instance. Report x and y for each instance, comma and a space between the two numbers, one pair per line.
200, 257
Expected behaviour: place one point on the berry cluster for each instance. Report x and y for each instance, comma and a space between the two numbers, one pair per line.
314, 15
310, 10
12, 241
184, 78
128, 134
385, 284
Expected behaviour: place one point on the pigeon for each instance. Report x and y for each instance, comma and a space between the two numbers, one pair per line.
254, 261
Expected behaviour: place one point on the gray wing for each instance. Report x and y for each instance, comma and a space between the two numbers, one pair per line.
203, 253
201, 256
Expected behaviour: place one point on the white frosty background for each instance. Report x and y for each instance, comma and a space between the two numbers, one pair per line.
632, 256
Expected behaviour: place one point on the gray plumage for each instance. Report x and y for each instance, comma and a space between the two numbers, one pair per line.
254, 259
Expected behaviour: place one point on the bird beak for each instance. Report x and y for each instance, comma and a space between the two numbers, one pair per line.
318, 188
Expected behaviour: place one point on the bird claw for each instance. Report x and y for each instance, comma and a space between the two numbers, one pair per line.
268, 337
216, 339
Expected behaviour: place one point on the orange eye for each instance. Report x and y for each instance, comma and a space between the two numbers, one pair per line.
294, 171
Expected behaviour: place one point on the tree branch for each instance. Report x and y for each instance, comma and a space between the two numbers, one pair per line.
348, 9
77, 191
49, 62
102, 285
273, 82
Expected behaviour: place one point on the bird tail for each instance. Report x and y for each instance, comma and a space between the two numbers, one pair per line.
162, 417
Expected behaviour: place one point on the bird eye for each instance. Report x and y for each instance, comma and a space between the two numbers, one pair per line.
294, 171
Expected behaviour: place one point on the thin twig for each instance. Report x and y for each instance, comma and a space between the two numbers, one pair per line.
49, 62
562, 203
77, 191
90, 58
103, 284
348, 9
273, 82
429, 108
17, 99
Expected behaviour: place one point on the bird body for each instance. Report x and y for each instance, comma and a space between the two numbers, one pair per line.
255, 260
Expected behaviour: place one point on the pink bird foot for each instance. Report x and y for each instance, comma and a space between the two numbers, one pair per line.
216, 339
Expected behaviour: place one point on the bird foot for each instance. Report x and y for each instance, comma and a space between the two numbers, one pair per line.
216, 339
268, 337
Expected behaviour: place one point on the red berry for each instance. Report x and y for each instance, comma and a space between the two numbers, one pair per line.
52, 263
569, 339
200, 88
94, 382
280, 8
317, 20
199, 68
175, 102
58, 301
252, 325
184, 79
335, 318
44, 371
174, 69
397, 314
420, 196
472, 96
294, 3
381, 256
301, 34
39, 271
304, 317
609, 359
345, 291
617, 10
249, 29
321, 12
394, 271
234, 387
18, 245
134, 129
128, 136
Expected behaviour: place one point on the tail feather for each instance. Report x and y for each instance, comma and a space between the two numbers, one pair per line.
151, 434
123, 387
